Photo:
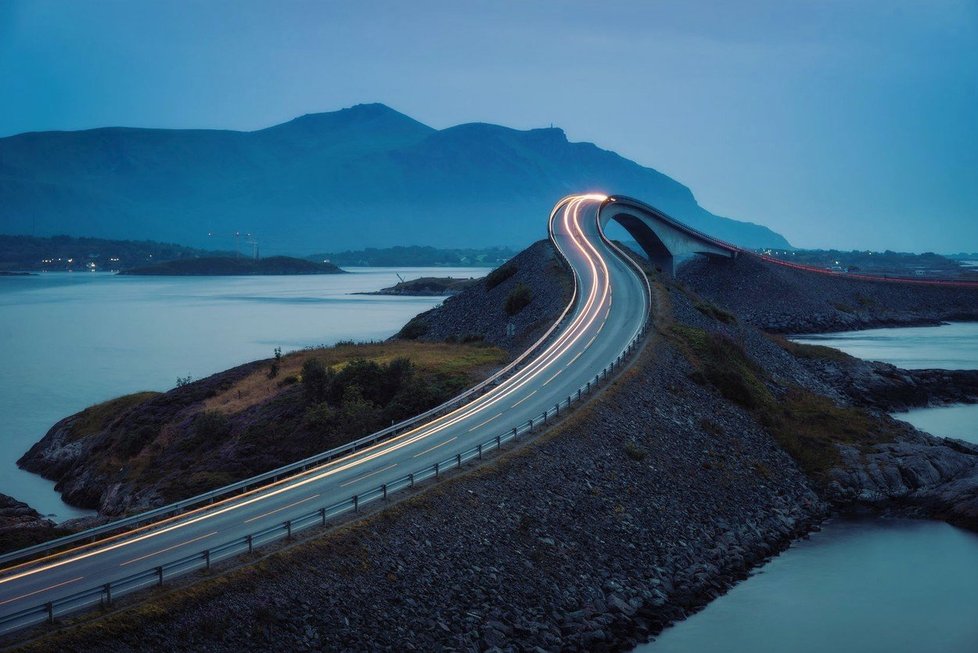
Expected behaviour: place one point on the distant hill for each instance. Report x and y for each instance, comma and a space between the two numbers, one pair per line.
67, 253
215, 266
367, 176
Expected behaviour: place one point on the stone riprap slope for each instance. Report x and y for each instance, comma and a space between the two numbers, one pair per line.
785, 300
643, 506
479, 311
638, 509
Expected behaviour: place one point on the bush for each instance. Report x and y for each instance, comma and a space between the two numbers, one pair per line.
518, 299
499, 275
211, 425
315, 380
413, 329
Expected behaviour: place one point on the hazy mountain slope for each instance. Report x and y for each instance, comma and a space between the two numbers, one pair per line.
367, 176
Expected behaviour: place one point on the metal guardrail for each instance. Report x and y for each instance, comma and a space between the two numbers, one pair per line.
302, 465
103, 595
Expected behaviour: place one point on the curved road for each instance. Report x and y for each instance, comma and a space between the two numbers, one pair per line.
612, 304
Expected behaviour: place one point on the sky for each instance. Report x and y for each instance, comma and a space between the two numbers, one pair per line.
837, 123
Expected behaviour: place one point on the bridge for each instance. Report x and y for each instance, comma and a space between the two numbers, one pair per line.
663, 239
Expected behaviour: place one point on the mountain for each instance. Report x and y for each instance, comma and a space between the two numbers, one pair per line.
366, 176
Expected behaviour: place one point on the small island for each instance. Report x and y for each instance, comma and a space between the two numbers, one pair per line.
427, 287
229, 266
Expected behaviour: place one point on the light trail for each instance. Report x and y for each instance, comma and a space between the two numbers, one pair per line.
169, 548
594, 303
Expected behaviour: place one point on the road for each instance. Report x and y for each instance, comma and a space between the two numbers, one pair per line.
611, 308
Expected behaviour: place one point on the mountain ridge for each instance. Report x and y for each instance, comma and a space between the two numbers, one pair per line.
365, 176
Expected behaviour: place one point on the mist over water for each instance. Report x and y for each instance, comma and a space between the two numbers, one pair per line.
69, 340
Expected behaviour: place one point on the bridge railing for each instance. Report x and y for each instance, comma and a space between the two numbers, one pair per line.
103, 595
301, 466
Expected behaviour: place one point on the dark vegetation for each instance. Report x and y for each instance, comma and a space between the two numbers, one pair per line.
206, 433
499, 275
518, 299
415, 256
428, 286
807, 425
228, 265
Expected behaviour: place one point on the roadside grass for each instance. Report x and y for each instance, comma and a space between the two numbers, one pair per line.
458, 361
807, 425
810, 352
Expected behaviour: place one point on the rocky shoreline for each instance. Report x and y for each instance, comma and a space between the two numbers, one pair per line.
636, 510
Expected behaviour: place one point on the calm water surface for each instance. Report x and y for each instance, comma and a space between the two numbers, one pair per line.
68, 340
950, 347
879, 586
890, 586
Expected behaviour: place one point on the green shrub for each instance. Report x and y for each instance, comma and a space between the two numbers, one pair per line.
316, 379
499, 275
518, 299
414, 329
211, 425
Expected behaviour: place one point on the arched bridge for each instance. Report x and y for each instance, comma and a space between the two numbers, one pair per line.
662, 238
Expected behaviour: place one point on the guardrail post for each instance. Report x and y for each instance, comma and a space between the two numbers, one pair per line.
589, 387
322, 513
50, 608
545, 417
458, 460
578, 394
356, 503
557, 409
108, 594
480, 450
251, 541
288, 529
531, 426
207, 560
411, 477
516, 434
499, 442
385, 491
159, 572
437, 470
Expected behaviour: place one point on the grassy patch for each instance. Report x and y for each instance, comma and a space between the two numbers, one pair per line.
499, 275
518, 299
95, 418
811, 352
634, 452
455, 361
715, 312
844, 308
807, 425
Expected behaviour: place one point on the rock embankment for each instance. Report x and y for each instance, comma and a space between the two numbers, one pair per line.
480, 313
784, 300
643, 506
21, 525
639, 508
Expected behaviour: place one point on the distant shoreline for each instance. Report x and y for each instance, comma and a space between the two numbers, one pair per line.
219, 266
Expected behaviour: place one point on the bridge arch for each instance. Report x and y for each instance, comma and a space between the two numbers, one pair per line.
661, 237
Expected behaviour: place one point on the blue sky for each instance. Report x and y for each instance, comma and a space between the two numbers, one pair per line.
839, 124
